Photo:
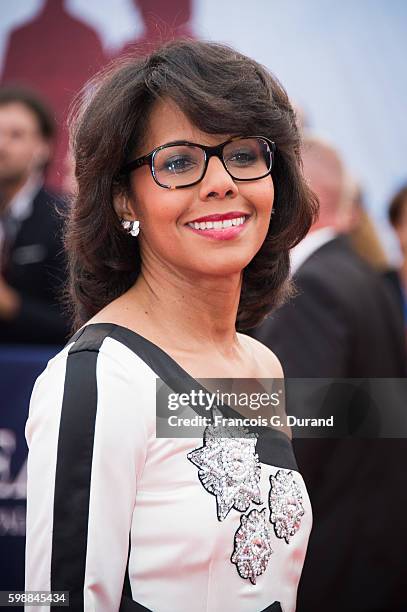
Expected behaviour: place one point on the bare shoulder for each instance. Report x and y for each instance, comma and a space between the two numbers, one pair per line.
267, 366
268, 363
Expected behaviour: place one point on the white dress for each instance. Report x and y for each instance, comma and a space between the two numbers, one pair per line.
127, 521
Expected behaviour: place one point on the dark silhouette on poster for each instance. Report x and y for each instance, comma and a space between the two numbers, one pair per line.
54, 54
163, 21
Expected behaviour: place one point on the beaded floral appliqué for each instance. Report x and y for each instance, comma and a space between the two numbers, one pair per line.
285, 501
229, 468
252, 549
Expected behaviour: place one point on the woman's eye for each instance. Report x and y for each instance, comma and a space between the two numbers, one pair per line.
176, 165
242, 158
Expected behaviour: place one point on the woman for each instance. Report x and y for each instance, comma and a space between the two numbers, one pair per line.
187, 150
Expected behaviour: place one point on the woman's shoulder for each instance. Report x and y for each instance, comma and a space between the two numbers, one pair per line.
114, 344
103, 350
267, 361
95, 368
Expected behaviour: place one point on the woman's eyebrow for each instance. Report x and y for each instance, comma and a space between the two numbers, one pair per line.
179, 141
187, 141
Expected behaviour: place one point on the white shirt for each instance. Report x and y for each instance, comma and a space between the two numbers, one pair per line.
98, 477
311, 243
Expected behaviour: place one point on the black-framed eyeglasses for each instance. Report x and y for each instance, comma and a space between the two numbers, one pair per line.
181, 163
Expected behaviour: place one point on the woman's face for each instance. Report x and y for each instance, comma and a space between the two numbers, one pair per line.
166, 236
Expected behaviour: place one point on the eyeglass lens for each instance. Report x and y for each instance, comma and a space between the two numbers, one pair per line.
179, 165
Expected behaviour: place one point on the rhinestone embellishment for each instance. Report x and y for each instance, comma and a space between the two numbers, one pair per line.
252, 549
229, 468
285, 501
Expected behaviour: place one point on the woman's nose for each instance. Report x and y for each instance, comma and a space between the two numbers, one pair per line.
217, 183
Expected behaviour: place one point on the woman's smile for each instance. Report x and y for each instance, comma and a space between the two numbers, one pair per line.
220, 226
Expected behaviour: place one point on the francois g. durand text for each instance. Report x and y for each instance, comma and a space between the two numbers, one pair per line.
288, 420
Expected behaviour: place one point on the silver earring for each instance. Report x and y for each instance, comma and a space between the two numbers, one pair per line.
132, 227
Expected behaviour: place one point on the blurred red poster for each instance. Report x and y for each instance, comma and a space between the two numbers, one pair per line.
163, 21
54, 54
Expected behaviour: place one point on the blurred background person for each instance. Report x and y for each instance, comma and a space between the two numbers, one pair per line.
31, 257
398, 219
364, 238
343, 312
354, 220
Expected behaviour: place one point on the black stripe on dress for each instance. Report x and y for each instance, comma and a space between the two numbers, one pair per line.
73, 468
128, 605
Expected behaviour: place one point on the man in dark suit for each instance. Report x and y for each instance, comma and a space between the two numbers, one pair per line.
344, 323
31, 257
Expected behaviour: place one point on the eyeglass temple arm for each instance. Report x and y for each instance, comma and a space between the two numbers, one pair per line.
136, 163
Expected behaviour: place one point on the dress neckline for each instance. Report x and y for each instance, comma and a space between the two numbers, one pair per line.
140, 339
271, 441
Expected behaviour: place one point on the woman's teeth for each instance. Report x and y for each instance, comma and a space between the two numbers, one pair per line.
205, 225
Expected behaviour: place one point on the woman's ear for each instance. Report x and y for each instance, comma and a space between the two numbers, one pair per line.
123, 209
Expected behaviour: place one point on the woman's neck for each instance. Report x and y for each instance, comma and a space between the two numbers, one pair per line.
189, 312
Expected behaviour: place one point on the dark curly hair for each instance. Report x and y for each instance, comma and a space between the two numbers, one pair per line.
220, 91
